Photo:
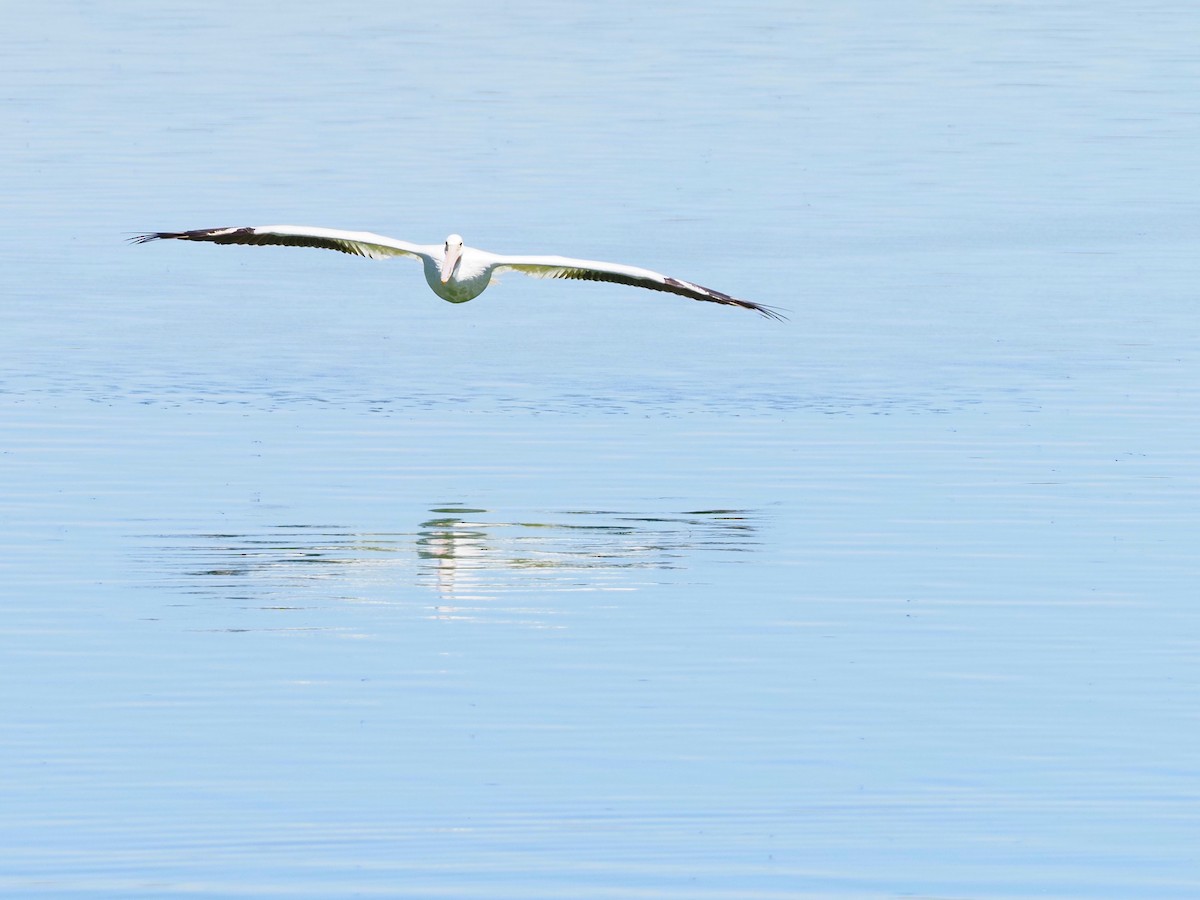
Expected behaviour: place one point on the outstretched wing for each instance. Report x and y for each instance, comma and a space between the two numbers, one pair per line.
591, 270
359, 243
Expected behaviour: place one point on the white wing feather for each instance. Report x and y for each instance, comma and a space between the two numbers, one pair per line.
359, 243
594, 270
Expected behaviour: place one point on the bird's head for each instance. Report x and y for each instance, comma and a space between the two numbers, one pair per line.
453, 252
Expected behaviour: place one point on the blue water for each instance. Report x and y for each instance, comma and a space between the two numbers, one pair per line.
315, 585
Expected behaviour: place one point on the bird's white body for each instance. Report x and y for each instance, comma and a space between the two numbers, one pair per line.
455, 272
462, 279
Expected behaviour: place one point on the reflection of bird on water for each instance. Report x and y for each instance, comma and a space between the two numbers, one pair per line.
469, 561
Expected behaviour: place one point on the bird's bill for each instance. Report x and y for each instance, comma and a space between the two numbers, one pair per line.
451, 260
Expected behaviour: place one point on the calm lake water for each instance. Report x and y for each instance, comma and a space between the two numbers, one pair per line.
315, 585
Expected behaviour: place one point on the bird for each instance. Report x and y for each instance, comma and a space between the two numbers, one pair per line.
456, 272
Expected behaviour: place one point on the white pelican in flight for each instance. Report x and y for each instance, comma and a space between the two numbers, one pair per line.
456, 272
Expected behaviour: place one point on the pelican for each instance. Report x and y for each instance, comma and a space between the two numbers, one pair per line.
455, 272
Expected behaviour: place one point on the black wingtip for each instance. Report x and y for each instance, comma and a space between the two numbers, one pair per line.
217, 235
769, 312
